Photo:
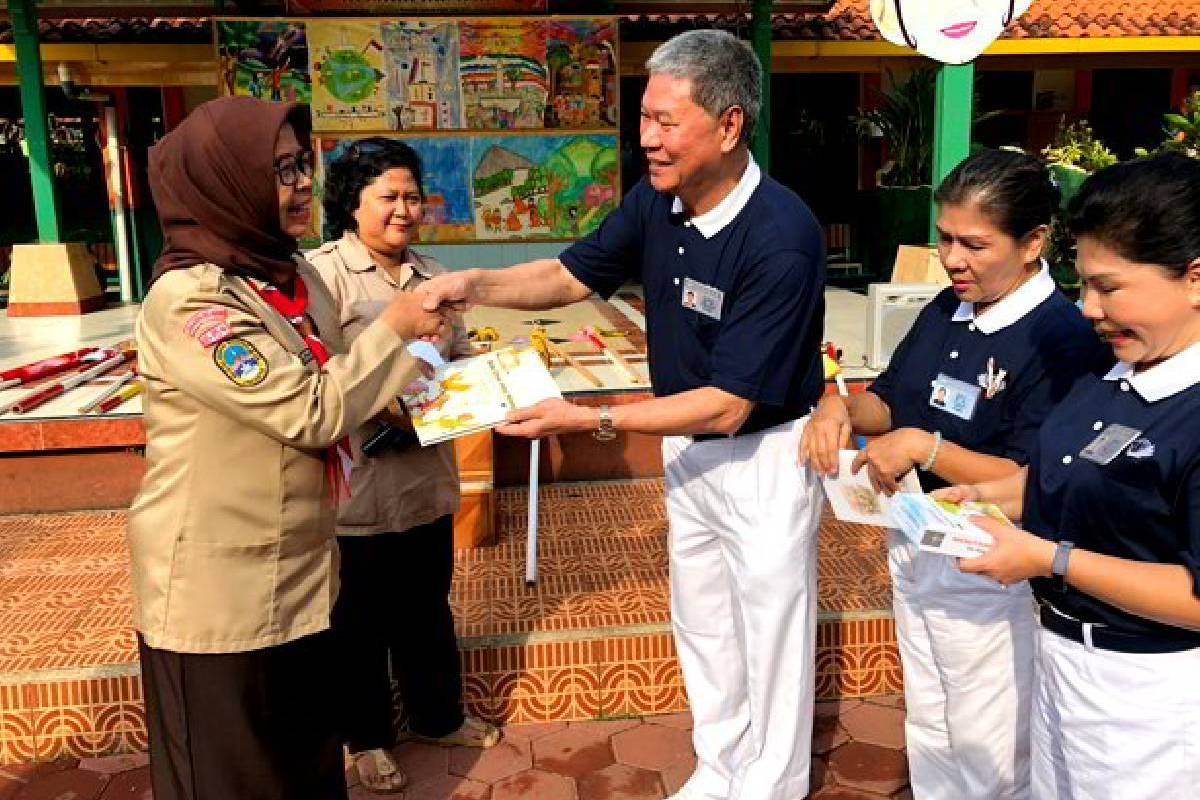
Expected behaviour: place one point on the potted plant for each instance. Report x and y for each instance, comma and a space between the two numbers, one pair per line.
1182, 129
898, 210
1074, 154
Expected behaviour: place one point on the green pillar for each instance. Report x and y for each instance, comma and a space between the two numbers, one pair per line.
33, 108
952, 114
760, 39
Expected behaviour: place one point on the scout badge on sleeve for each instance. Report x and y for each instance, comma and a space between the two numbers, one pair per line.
241, 362
208, 326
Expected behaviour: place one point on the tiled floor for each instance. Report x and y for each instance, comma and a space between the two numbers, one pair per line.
591, 639
857, 755
602, 561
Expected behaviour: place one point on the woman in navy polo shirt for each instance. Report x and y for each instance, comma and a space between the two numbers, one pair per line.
962, 400
1112, 506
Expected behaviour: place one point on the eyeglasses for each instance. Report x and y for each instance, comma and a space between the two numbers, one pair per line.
289, 168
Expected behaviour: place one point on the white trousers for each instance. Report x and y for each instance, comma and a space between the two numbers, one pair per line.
743, 519
1115, 726
967, 648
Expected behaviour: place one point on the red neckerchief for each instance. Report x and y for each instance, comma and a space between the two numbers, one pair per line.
338, 459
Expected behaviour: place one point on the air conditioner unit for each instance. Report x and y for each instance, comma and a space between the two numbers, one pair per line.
892, 308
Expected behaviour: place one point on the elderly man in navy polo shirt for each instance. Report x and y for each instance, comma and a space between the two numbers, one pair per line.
732, 264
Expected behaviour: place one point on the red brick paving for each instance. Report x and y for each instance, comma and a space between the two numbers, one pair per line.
620, 782
869, 768
131, 785
875, 724
77, 784
858, 746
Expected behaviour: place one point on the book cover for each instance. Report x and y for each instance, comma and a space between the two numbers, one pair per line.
938, 526
853, 499
476, 393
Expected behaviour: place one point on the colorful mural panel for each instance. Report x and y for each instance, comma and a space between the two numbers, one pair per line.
498, 188
267, 60
415, 75
348, 76
422, 75
581, 65
554, 187
502, 65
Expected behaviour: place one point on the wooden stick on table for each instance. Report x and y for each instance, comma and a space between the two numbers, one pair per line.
613, 353
572, 361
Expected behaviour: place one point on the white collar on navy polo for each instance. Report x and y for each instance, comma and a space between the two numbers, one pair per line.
1028, 296
712, 221
1180, 371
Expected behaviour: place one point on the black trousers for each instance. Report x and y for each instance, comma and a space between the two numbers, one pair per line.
258, 725
394, 607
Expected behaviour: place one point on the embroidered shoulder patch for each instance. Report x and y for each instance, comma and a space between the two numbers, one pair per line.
241, 361
208, 326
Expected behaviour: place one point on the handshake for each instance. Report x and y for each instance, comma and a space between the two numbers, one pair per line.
427, 311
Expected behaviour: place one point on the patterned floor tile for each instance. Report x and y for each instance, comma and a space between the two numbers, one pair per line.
602, 598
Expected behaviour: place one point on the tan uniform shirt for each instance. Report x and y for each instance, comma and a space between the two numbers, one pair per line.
395, 490
231, 534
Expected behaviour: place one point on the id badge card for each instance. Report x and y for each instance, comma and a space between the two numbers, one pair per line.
1109, 444
702, 298
955, 397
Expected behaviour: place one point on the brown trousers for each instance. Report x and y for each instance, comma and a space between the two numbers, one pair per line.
257, 725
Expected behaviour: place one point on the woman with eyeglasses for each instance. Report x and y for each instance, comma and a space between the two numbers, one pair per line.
250, 395
396, 532
1110, 506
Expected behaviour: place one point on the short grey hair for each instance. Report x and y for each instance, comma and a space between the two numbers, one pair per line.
724, 72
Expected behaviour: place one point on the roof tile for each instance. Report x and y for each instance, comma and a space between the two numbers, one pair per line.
1045, 19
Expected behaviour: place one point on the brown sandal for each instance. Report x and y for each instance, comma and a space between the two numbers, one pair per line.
472, 733
378, 771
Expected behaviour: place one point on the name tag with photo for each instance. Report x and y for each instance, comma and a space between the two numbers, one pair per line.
955, 397
702, 298
1109, 444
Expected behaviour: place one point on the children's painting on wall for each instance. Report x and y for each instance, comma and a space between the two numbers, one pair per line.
348, 72
581, 62
382, 75
267, 60
445, 172
422, 75
503, 73
542, 186
491, 188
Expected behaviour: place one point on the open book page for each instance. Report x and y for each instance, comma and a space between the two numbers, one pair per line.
854, 500
937, 526
476, 393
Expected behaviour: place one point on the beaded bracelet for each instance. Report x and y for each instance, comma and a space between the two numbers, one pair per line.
933, 453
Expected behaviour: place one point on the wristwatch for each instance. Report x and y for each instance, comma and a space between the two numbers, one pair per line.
605, 432
1058, 567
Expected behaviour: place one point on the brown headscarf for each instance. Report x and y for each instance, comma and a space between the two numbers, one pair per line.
214, 184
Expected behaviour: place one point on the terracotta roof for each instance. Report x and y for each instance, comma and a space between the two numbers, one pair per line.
846, 20
145, 30
850, 20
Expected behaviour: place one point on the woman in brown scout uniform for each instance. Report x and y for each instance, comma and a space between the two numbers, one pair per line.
396, 532
250, 394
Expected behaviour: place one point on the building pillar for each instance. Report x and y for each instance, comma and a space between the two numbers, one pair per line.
37, 127
760, 39
51, 277
952, 114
